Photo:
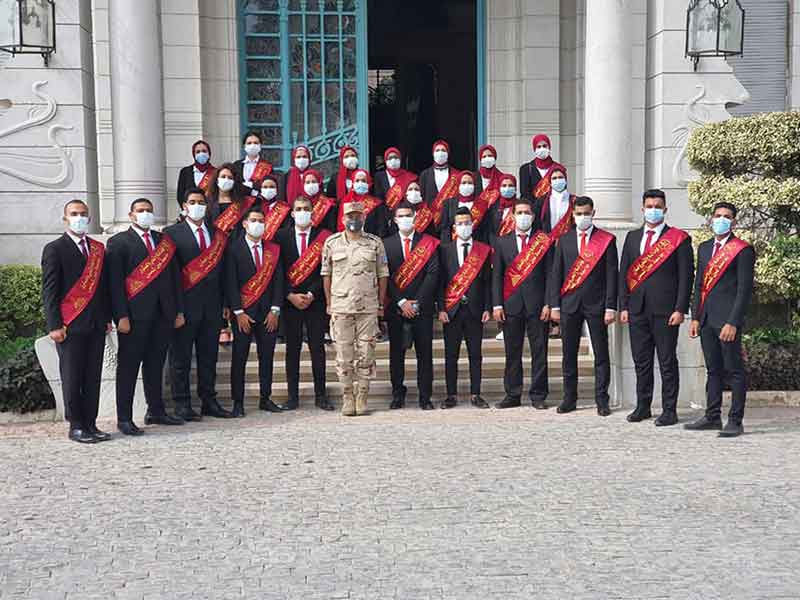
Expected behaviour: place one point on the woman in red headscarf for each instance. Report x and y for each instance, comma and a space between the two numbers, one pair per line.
390, 183
199, 174
503, 215
466, 196
338, 186
439, 182
323, 211
532, 173
554, 207
375, 218
291, 185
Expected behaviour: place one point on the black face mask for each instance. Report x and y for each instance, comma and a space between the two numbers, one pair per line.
355, 225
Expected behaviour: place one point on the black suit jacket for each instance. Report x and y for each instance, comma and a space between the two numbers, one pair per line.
380, 185
239, 166
162, 299
668, 289
62, 266
598, 292
424, 286
542, 221
427, 183
729, 299
285, 238
479, 294
529, 177
239, 268
531, 296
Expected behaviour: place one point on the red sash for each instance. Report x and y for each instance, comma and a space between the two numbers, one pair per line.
321, 208
205, 180
478, 212
233, 214
147, 271
395, 194
586, 261
648, 263
415, 261
466, 274
525, 262
82, 292
370, 204
564, 223
273, 220
508, 224
200, 266
449, 190
717, 266
256, 286
309, 260
263, 168
490, 196
423, 218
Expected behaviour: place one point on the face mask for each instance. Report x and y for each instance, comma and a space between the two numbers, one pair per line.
405, 224
360, 187
583, 222
721, 225
393, 163
559, 185
225, 184
201, 158
355, 225
269, 193
653, 215
311, 189
440, 157
350, 162
487, 162
466, 189
414, 196
301, 162
542, 153
78, 225
302, 218
508, 192
524, 221
145, 219
255, 229
196, 212
464, 232
252, 150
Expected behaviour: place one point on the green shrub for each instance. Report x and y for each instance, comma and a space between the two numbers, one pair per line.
23, 386
21, 312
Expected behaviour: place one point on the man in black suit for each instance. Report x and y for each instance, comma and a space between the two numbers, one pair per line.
413, 280
147, 304
305, 306
464, 305
590, 296
257, 307
718, 311
522, 306
202, 304
78, 326
653, 297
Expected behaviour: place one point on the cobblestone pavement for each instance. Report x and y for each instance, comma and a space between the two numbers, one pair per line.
448, 505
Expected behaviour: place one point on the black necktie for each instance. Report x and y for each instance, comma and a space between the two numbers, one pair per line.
465, 252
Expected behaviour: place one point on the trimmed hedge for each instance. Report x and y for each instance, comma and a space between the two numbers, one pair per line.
771, 357
21, 313
23, 386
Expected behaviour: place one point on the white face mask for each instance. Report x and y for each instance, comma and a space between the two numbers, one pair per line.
393, 163
350, 162
301, 162
196, 212
269, 193
414, 196
440, 157
487, 162
542, 153
78, 225
145, 219
405, 224
524, 221
302, 218
225, 184
252, 150
583, 222
360, 187
464, 232
466, 189
255, 229
311, 189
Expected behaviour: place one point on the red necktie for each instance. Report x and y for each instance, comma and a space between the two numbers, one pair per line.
583, 242
84, 248
717, 248
257, 257
649, 241
148, 243
303, 242
406, 246
524, 239
202, 237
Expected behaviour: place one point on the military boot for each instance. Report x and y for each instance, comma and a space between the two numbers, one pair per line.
348, 403
361, 398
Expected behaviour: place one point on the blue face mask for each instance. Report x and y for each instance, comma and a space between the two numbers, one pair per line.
721, 225
201, 158
508, 192
559, 185
360, 187
654, 215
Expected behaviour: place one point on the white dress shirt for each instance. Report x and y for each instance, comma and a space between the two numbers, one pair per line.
79, 241
485, 182
143, 234
252, 246
203, 229
542, 172
248, 166
390, 179
721, 243
658, 230
588, 232
559, 205
528, 234
440, 176
198, 175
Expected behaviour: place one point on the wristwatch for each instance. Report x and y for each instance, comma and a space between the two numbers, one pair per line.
275, 311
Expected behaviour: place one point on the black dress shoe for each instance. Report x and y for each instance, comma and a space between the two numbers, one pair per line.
398, 402
449, 402
323, 404
566, 407
478, 402
129, 428
290, 405
426, 405
704, 423
639, 415
101, 436
165, 419
508, 402
603, 411
238, 410
216, 411
539, 404
187, 414
666, 419
269, 406
731, 429
82, 436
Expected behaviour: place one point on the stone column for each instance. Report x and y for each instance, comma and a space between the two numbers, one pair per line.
608, 108
137, 107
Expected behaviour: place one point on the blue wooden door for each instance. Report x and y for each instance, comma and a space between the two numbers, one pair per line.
303, 74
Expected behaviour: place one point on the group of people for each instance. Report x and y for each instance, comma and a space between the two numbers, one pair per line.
258, 251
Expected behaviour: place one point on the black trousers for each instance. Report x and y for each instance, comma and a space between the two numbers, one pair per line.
651, 333
723, 360
265, 346
315, 323
80, 362
571, 326
514, 331
203, 337
146, 347
422, 329
463, 326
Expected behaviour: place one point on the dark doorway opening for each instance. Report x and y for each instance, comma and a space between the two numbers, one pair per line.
422, 80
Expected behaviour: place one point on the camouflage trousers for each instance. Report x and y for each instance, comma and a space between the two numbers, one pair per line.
355, 335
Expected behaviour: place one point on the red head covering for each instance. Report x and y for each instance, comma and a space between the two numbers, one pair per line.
393, 172
547, 162
294, 180
506, 202
447, 146
351, 196
544, 187
197, 165
318, 175
492, 174
411, 179
343, 175
465, 198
